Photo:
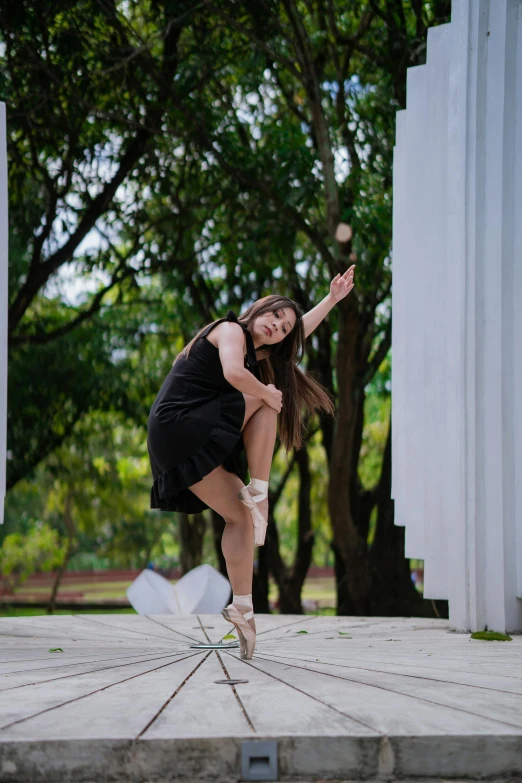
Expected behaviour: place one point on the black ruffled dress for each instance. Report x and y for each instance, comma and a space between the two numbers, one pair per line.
195, 424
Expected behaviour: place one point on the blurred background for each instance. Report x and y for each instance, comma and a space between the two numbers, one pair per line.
169, 161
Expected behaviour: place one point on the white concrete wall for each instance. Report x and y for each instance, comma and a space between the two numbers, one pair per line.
3, 305
457, 320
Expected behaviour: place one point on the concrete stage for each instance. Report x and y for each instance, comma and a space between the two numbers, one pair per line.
353, 698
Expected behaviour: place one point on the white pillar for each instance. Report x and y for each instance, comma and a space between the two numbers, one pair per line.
3, 305
457, 320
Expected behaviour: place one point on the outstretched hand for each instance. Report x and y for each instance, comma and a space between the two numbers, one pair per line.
342, 285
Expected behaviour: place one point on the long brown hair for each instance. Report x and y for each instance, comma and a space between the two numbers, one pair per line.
277, 364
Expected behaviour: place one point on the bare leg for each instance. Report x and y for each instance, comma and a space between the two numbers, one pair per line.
237, 543
259, 437
219, 490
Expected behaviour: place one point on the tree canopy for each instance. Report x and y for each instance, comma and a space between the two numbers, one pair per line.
169, 160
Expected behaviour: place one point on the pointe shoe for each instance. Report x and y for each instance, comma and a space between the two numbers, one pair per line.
247, 635
259, 522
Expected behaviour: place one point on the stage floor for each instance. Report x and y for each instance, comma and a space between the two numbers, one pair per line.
353, 698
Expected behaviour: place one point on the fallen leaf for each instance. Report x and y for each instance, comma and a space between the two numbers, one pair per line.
301, 631
56, 649
491, 636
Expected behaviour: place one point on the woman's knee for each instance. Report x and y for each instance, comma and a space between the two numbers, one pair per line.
266, 416
237, 514
219, 490
266, 411
238, 518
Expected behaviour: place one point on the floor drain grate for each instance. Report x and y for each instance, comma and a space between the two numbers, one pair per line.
229, 682
259, 760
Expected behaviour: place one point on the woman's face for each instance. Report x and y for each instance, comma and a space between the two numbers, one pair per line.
273, 327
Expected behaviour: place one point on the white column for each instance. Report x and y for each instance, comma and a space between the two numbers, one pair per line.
3, 305
517, 314
457, 324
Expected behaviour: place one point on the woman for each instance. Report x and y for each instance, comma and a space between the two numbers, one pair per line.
223, 394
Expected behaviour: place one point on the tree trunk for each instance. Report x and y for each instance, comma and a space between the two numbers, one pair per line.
191, 533
290, 580
218, 526
350, 544
344, 602
260, 582
69, 524
393, 592
390, 590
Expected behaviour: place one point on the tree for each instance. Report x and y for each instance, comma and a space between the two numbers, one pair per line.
214, 148
20, 554
333, 80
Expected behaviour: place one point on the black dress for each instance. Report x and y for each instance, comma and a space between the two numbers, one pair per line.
195, 424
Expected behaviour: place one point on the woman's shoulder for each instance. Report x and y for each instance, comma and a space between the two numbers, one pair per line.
222, 330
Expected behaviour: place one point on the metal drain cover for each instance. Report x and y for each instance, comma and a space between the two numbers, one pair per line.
229, 682
217, 646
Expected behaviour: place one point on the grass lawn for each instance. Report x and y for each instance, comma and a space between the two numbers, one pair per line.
22, 611
318, 589
13, 611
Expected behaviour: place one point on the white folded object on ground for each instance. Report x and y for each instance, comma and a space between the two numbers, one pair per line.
203, 590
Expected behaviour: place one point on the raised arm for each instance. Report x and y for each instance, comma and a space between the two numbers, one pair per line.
340, 287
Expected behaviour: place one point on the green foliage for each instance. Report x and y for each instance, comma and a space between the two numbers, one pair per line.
104, 468
172, 164
41, 549
375, 434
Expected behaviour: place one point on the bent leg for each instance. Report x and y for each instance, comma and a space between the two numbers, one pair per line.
259, 438
252, 404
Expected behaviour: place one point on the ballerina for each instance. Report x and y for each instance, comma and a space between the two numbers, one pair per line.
224, 394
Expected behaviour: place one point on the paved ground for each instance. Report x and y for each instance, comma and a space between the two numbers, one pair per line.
129, 700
